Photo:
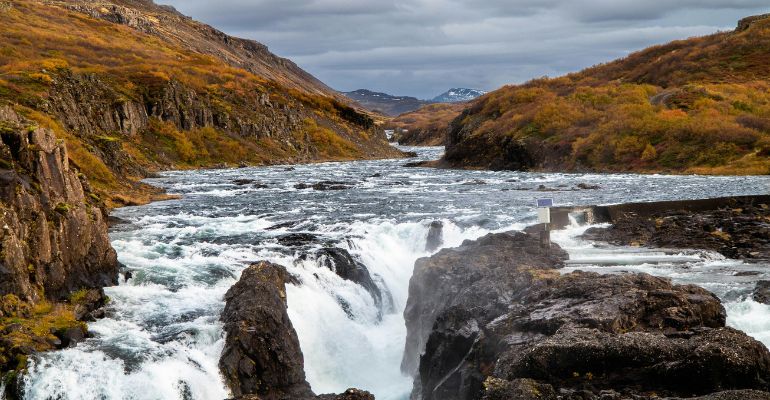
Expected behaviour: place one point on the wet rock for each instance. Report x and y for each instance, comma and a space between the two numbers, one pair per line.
115, 221
495, 319
761, 292
417, 164
71, 336
435, 236
350, 394
738, 230
298, 239
479, 270
243, 182
587, 186
324, 186
262, 355
543, 188
87, 304
342, 263
332, 185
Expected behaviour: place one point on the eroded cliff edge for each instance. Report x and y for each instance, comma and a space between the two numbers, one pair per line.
55, 254
495, 319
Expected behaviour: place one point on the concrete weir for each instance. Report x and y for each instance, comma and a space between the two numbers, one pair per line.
560, 216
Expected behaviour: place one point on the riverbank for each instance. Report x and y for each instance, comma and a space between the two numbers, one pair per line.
736, 227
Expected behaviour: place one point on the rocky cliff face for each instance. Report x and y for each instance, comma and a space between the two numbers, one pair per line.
54, 235
495, 319
55, 255
262, 359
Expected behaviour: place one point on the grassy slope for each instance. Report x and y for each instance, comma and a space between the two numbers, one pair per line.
43, 47
700, 105
427, 126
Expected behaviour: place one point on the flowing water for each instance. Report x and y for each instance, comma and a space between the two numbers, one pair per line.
162, 338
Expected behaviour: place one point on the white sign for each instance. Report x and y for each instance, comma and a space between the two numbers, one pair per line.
544, 215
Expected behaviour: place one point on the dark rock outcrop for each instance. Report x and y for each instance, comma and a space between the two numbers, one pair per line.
262, 354
761, 292
342, 263
479, 269
435, 236
739, 228
494, 319
262, 359
53, 231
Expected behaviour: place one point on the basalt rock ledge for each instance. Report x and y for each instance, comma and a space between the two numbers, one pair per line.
496, 319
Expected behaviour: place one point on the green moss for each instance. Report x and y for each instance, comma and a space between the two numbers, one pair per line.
62, 208
79, 296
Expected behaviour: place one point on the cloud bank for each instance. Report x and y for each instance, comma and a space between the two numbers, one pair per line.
423, 47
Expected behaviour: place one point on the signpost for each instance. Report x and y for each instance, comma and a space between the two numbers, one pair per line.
544, 217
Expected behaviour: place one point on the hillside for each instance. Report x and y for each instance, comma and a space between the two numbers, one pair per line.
427, 126
700, 105
132, 88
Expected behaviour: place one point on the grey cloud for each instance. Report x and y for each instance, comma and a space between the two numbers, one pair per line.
423, 47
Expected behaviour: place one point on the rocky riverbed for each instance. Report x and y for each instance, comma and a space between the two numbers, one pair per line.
738, 229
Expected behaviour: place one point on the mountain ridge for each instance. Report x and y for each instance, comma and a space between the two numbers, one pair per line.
394, 106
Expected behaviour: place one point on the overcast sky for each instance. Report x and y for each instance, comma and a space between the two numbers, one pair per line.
423, 47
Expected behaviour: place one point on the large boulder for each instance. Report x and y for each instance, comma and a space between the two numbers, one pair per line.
262, 359
262, 355
496, 319
477, 275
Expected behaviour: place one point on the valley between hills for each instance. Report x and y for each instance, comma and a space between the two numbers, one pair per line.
146, 156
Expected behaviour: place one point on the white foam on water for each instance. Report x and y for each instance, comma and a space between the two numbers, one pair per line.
708, 269
163, 338
750, 317
342, 352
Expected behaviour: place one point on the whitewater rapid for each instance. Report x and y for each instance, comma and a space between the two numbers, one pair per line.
162, 337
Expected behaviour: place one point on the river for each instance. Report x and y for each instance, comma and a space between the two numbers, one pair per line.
162, 337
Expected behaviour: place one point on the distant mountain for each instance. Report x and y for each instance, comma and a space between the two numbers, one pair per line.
396, 105
385, 103
458, 95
